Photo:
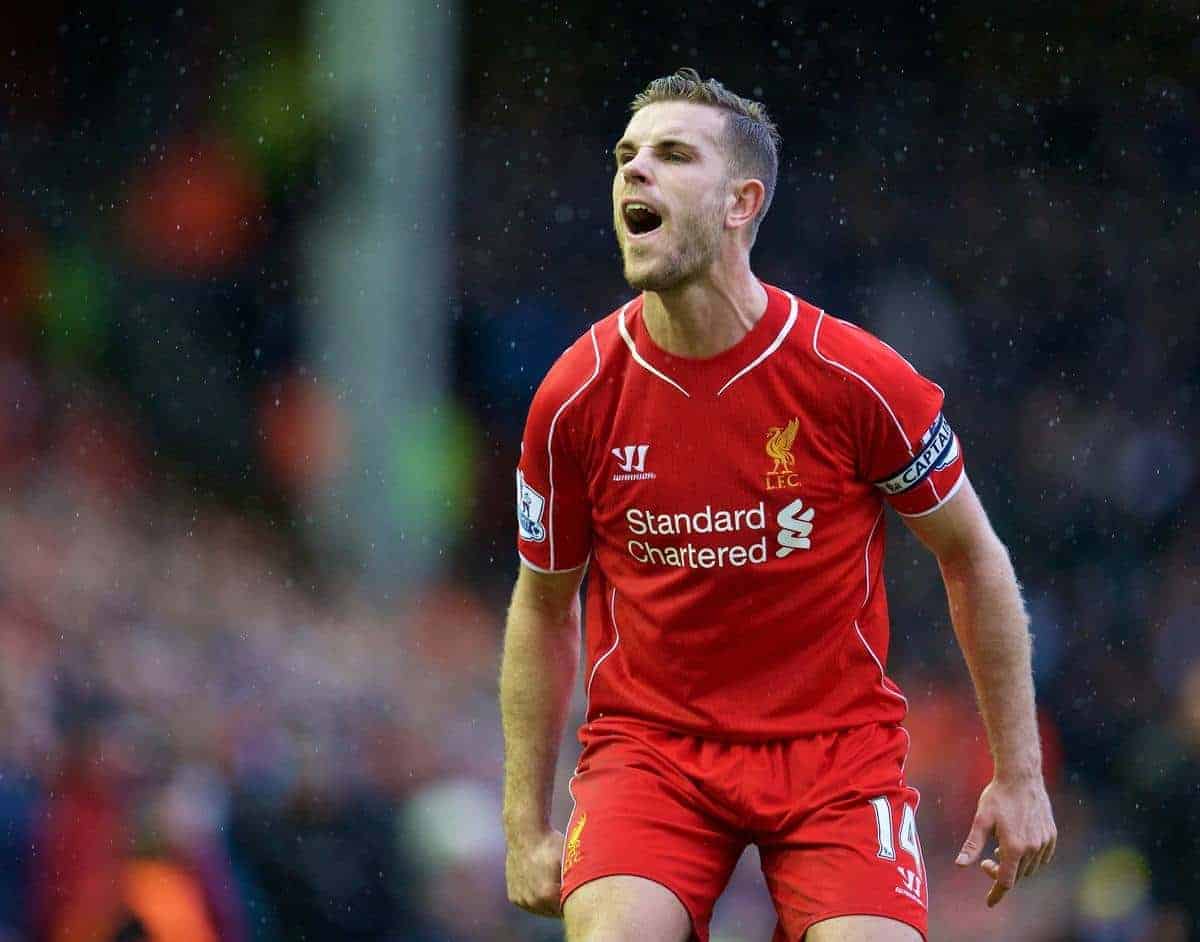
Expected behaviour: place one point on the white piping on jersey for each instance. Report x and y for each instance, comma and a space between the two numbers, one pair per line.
867, 560
637, 357
766, 353
537, 568
866, 597
906, 360
550, 438
587, 709
612, 611
904, 762
883, 677
954, 490
878, 395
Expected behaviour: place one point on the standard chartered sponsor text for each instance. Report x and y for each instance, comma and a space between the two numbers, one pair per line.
643, 522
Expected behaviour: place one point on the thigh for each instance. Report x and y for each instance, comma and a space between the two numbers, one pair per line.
852, 848
638, 814
862, 929
629, 909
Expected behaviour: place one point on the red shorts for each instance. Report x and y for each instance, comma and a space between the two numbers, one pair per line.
832, 817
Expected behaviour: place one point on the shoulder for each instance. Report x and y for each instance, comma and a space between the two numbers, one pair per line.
868, 378
872, 375
577, 368
849, 349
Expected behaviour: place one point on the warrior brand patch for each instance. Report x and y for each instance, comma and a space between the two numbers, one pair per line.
939, 450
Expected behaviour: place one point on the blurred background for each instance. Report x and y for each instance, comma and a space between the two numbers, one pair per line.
277, 282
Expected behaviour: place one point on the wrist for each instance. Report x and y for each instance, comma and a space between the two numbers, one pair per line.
1020, 773
524, 828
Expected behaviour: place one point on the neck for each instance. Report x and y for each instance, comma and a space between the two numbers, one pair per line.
707, 315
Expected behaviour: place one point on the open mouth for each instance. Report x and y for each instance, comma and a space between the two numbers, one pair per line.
640, 219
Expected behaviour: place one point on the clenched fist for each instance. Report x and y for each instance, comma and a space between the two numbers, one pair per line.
532, 869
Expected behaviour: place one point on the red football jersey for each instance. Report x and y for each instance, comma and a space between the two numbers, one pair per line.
732, 508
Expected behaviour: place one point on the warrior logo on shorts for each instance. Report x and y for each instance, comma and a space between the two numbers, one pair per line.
779, 450
572, 852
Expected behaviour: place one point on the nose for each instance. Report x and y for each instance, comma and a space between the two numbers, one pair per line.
635, 169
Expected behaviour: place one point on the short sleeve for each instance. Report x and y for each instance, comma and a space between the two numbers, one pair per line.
906, 447
553, 509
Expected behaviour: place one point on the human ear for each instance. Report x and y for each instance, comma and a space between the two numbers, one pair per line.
746, 199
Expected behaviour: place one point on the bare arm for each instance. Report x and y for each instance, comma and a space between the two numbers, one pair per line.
993, 631
991, 625
541, 657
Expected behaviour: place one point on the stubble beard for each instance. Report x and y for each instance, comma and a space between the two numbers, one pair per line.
700, 236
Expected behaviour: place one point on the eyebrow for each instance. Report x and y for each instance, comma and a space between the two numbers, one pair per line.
665, 144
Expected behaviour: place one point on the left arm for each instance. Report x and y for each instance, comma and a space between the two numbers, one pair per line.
993, 631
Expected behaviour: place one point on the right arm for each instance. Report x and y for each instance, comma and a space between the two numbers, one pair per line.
541, 657
542, 635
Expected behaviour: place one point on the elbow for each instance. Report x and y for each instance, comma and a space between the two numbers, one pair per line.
983, 557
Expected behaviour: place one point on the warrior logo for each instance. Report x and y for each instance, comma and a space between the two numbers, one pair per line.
779, 450
631, 459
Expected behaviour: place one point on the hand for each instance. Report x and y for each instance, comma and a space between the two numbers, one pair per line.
1018, 811
533, 870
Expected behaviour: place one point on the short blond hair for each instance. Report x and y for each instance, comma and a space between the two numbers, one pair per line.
751, 138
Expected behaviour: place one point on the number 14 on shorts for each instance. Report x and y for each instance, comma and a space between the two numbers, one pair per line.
911, 879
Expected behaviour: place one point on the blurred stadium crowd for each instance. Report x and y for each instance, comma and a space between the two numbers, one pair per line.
211, 731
